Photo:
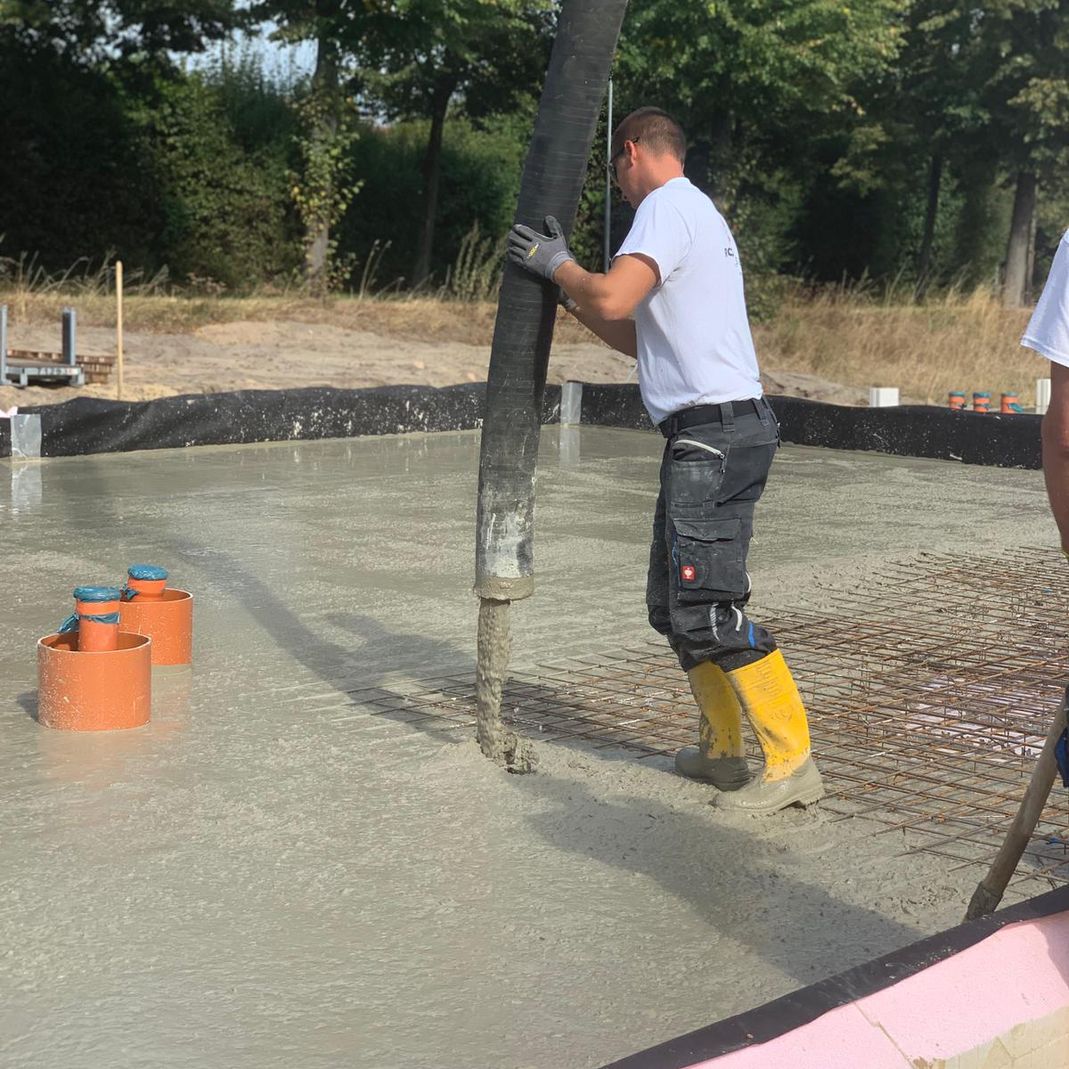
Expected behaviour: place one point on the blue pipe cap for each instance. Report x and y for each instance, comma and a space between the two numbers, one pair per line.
147, 572
96, 593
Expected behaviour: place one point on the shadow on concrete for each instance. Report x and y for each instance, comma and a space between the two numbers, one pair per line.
29, 703
341, 667
737, 883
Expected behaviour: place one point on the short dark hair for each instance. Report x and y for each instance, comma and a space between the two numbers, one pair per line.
656, 129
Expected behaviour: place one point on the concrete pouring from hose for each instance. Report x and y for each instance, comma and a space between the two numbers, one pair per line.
551, 184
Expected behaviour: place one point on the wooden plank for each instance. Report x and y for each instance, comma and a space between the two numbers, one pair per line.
45, 356
96, 366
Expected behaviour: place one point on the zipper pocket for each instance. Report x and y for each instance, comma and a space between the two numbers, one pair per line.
707, 448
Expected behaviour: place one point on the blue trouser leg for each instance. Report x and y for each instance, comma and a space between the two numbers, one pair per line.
697, 587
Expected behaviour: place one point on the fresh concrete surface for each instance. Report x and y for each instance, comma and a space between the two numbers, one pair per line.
269, 876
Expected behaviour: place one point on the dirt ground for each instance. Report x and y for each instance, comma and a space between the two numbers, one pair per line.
275, 355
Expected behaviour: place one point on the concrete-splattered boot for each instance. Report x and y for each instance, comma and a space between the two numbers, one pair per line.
718, 758
774, 707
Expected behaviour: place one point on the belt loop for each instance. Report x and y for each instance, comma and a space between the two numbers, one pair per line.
727, 415
763, 410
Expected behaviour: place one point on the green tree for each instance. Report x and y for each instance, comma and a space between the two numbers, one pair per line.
755, 70
120, 29
1024, 48
479, 185
74, 77
405, 59
321, 188
983, 89
767, 91
220, 181
72, 178
935, 108
477, 56
915, 123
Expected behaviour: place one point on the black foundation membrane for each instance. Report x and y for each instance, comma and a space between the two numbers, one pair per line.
91, 425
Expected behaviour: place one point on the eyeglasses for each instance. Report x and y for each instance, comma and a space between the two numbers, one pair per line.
618, 153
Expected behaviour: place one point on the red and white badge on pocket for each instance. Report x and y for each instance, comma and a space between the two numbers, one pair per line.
688, 573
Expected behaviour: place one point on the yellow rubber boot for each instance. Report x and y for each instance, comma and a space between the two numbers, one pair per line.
719, 757
770, 699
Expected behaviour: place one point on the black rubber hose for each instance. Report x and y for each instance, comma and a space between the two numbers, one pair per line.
552, 182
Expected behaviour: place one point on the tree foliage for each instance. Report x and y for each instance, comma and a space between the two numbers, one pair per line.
925, 139
120, 29
226, 217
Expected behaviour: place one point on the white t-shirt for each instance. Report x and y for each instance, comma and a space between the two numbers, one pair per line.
1048, 329
694, 341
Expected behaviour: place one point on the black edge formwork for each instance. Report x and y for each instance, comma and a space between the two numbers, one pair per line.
93, 425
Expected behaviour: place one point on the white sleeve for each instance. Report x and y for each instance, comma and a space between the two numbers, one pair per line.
659, 232
1048, 329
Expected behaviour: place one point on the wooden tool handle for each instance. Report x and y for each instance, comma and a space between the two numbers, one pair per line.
991, 888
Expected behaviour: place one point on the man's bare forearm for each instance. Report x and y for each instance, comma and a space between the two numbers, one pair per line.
612, 296
1056, 450
619, 334
1056, 475
593, 291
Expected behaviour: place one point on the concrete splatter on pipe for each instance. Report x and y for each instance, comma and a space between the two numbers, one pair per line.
551, 184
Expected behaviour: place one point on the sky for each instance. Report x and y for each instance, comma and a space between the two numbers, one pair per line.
288, 61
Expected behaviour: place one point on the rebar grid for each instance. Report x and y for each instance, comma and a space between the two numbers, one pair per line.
930, 692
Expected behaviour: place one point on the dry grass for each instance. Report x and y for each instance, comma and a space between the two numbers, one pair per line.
424, 318
958, 341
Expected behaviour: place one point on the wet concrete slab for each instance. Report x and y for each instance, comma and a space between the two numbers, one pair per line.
271, 875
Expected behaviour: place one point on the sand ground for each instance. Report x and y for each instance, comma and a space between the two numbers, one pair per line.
273, 355
273, 874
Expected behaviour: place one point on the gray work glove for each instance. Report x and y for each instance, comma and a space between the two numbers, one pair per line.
541, 254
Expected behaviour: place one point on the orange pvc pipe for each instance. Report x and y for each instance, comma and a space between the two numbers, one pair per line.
150, 589
105, 690
168, 620
94, 636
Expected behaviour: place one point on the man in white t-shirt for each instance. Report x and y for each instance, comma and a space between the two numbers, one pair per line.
673, 299
1048, 334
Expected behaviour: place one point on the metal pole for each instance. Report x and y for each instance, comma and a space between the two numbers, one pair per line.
608, 183
3, 344
70, 334
118, 328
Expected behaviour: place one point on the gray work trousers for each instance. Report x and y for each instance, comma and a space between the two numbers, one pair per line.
712, 475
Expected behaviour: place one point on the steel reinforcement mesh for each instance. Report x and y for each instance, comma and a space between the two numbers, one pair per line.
930, 692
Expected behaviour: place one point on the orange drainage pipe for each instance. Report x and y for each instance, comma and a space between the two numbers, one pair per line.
149, 607
1009, 404
981, 402
956, 400
90, 675
96, 618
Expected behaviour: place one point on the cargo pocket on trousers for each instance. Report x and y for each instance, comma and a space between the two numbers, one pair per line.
695, 475
709, 561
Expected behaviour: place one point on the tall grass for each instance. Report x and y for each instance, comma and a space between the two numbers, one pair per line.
864, 337
476, 273
23, 279
858, 335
